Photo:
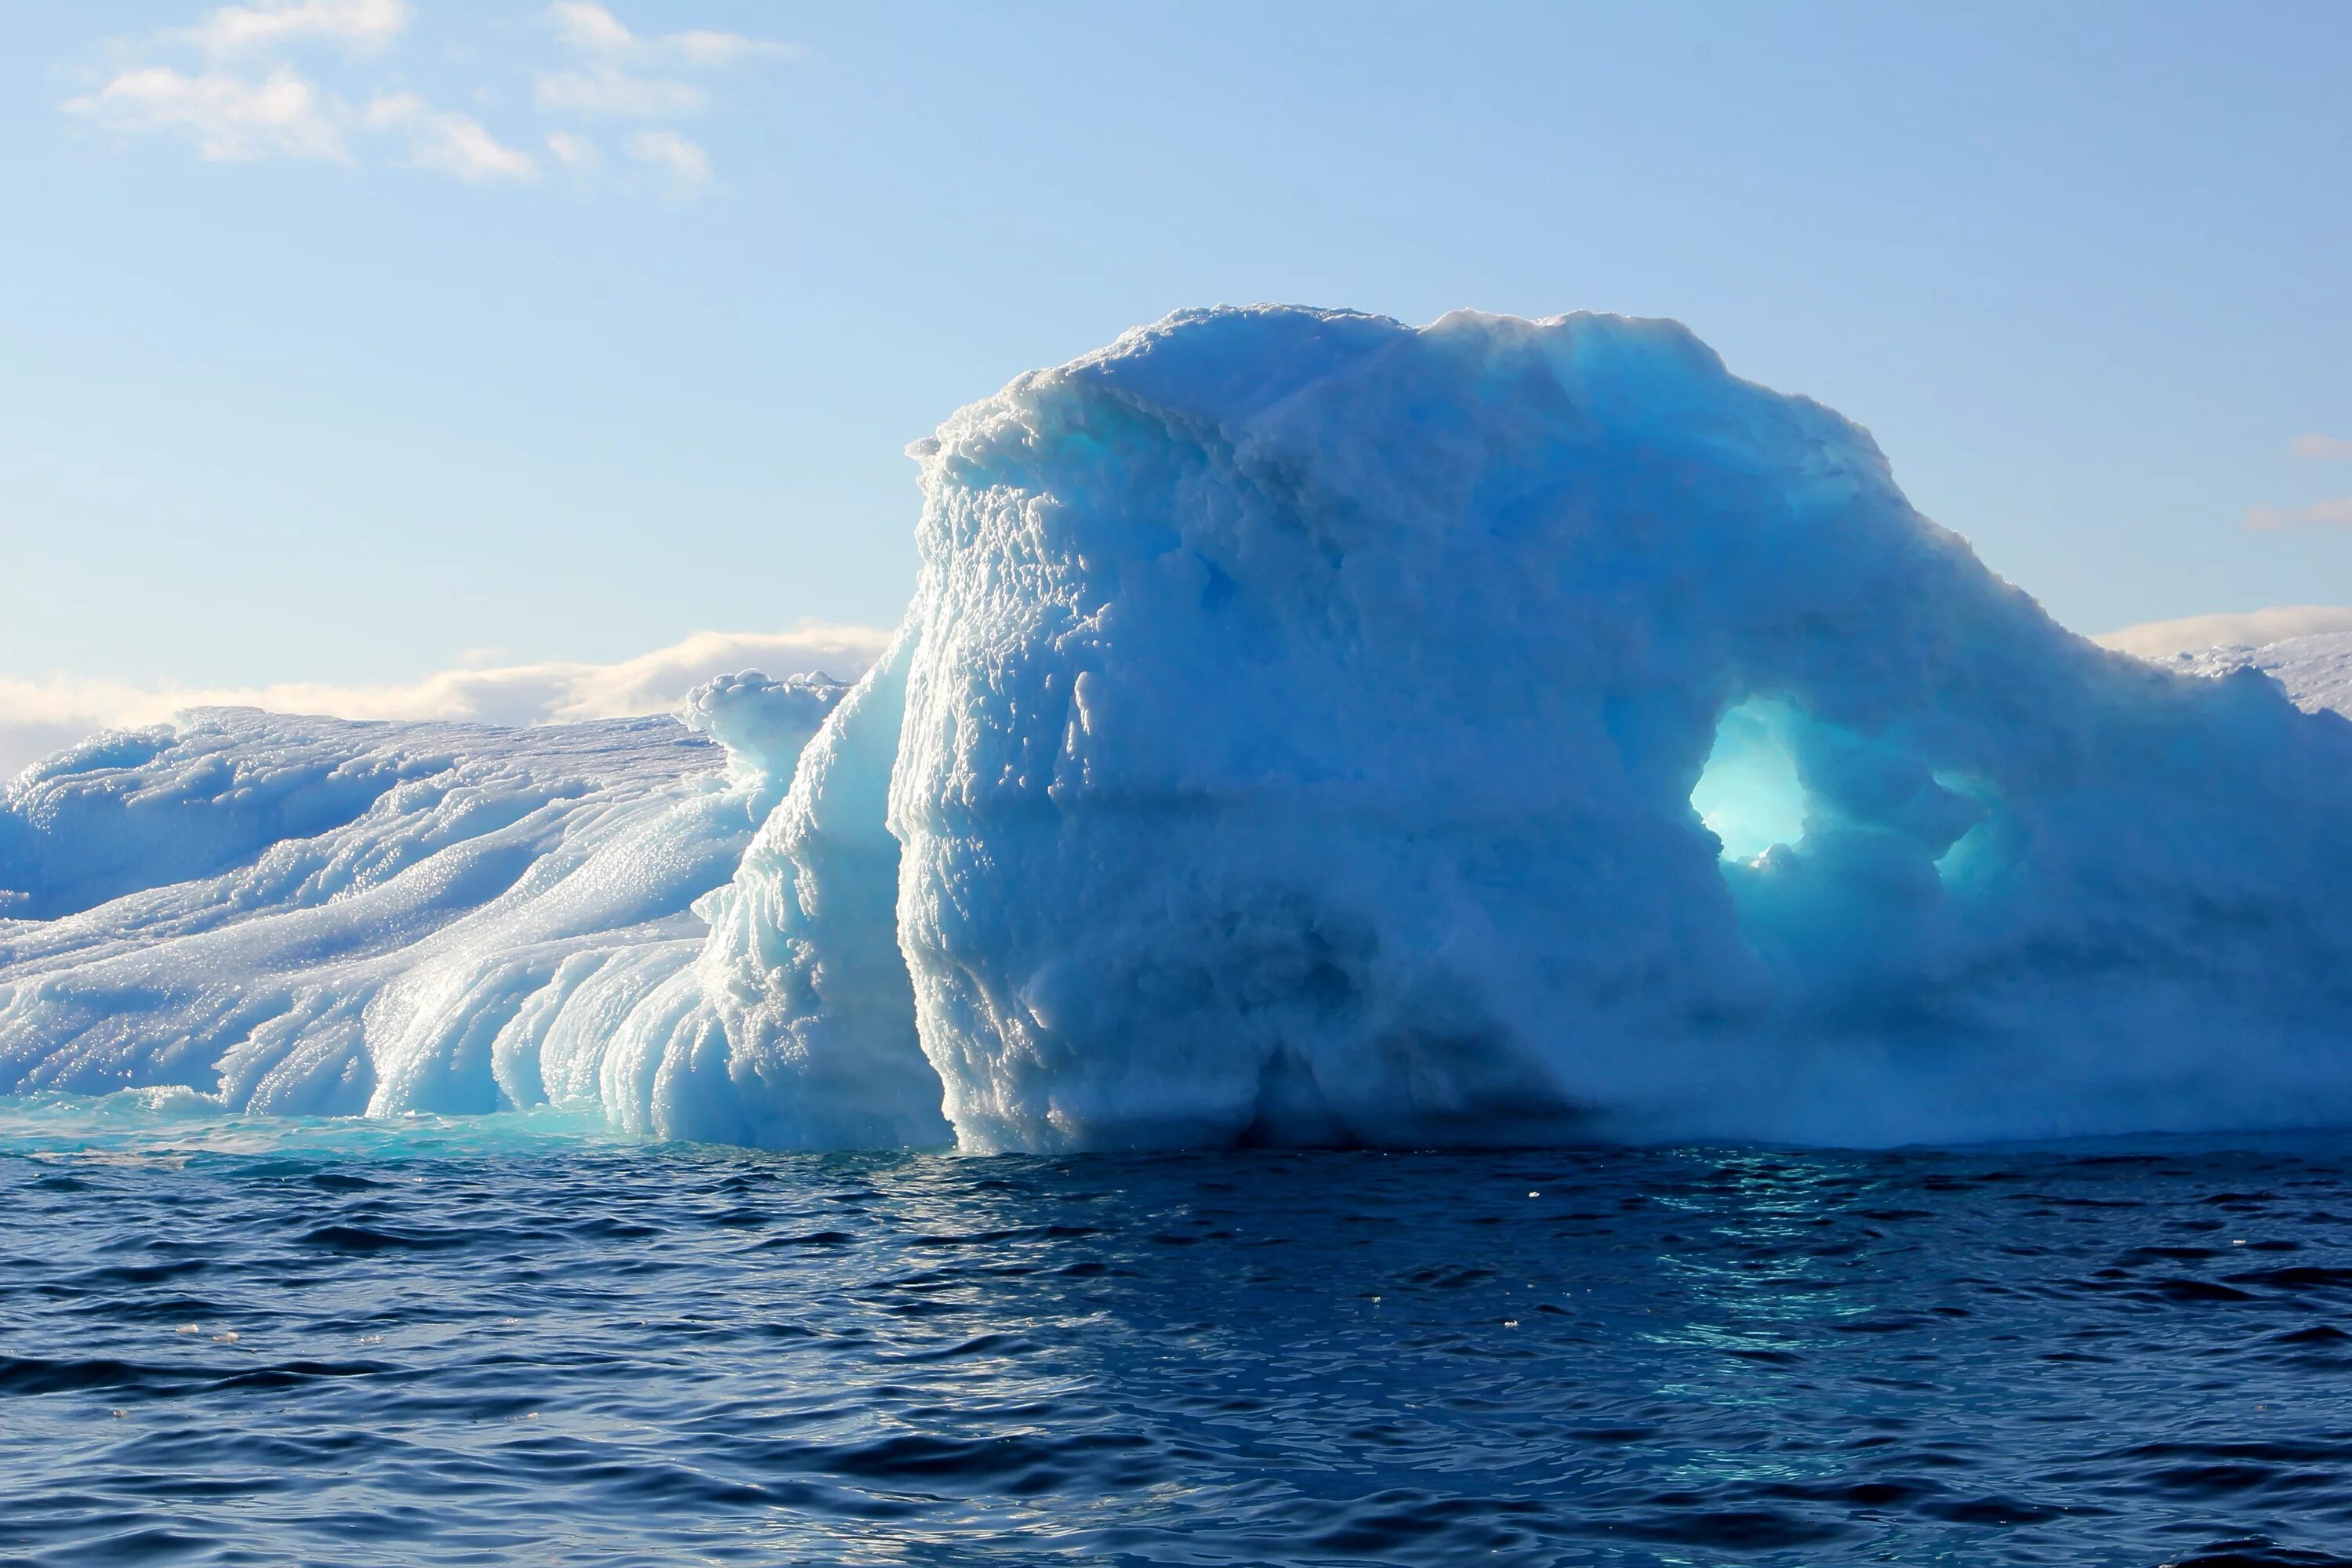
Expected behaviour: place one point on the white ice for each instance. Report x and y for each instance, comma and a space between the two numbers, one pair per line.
1302, 742
313, 916
1306, 729
2315, 669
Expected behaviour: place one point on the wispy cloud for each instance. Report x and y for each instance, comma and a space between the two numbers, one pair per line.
574, 151
37, 717
356, 25
623, 74
226, 118
686, 163
2319, 447
229, 87
593, 29
2332, 513
451, 142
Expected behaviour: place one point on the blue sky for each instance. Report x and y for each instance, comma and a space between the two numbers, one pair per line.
323, 363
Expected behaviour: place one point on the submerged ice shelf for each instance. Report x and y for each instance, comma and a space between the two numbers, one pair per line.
1306, 728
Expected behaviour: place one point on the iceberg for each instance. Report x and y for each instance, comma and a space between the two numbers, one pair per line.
320, 917
1306, 729
1302, 742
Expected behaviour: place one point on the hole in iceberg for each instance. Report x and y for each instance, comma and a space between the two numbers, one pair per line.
1748, 794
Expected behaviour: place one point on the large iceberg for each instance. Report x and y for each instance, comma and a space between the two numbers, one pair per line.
1306, 729
1303, 739
314, 915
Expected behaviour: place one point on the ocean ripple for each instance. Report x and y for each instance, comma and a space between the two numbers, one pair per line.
226, 1340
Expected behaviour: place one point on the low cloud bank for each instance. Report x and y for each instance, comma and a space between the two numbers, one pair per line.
37, 717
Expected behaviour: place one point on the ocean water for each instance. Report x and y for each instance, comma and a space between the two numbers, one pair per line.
235, 1341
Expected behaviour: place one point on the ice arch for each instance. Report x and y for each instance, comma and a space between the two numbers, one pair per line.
1300, 744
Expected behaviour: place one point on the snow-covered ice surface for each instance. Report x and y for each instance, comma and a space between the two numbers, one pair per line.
1306, 729
314, 915
2315, 671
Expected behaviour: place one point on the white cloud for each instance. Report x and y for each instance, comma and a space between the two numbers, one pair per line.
358, 25
37, 717
593, 29
452, 143
2320, 446
703, 47
226, 118
574, 151
2253, 628
684, 161
604, 91
243, 101
590, 28
2335, 512
612, 81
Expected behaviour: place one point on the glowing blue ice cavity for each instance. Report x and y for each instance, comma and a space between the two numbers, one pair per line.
1748, 794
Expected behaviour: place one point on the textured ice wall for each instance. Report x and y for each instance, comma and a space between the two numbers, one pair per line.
795, 1029
1302, 734
306, 915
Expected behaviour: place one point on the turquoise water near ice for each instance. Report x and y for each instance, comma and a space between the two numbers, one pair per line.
516, 1340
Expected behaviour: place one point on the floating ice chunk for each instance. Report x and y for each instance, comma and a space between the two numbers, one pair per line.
315, 916
1302, 741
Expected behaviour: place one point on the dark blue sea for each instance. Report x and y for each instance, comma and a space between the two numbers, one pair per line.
234, 1341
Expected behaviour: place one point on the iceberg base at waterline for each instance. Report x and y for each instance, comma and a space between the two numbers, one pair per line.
1306, 729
